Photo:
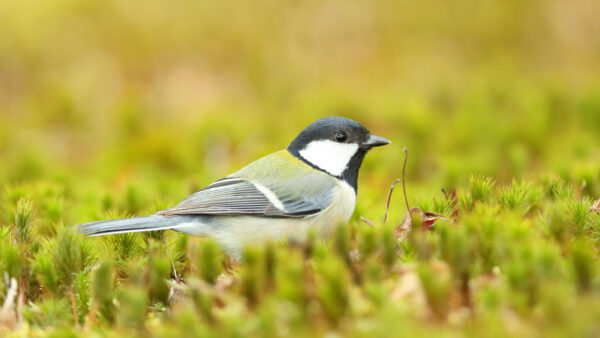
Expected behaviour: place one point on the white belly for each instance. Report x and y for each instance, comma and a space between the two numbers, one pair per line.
235, 232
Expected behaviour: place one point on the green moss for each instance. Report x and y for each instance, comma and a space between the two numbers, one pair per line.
209, 261
112, 109
480, 188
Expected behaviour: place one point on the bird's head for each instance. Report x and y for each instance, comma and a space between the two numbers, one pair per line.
335, 145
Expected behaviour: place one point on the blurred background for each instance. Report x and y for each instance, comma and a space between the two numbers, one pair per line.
160, 98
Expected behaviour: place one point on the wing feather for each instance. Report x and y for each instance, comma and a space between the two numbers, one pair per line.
235, 196
277, 185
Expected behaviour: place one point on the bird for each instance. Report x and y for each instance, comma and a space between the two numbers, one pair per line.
308, 187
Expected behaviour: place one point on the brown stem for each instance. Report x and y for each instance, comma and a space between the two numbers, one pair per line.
170, 257
73, 305
22, 297
405, 150
445, 194
90, 318
389, 199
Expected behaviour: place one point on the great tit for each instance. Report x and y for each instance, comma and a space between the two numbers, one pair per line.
308, 187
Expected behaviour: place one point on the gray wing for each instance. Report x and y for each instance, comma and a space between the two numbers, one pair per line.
236, 196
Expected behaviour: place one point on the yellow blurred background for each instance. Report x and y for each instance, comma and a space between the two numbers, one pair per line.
184, 88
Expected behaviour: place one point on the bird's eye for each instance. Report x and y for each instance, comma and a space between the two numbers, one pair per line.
341, 137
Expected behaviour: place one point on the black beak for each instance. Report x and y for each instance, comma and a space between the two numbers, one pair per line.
375, 141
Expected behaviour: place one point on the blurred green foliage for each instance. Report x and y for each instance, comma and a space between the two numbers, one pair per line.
113, 108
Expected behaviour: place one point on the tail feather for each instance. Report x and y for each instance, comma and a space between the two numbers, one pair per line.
135, 224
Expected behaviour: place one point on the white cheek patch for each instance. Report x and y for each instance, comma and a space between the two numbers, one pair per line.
330, 156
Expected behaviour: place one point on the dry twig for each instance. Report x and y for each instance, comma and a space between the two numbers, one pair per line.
595, 207
389, 199
171, 258
8, 316
367, 221
405, 150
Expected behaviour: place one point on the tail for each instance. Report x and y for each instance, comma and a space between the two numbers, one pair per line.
135, 224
